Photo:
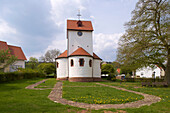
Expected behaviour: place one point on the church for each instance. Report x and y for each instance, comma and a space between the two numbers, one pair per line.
79, 63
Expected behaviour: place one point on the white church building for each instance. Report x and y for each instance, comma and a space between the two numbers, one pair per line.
79, 62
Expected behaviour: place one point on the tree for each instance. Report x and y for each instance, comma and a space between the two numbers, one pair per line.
47, 68
50, 55
116, 64
146, 41
6, 58
107, 68
33, 62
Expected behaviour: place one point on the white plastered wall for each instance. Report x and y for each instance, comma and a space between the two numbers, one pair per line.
96, 68
85, 41
17, 64
20, 63
62, 70
147, 72
80, 71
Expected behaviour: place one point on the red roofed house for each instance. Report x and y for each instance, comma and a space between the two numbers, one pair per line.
16, 51
79, 62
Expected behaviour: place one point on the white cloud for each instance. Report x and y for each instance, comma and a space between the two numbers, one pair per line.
105, 45
60, 10
58, 44
5, 29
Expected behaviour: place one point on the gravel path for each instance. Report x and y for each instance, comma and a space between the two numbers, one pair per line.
56, 96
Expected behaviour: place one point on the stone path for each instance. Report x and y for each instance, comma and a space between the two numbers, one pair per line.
56, 96
36, 84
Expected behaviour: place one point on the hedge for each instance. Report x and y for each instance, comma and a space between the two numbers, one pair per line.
11, 76
144, 79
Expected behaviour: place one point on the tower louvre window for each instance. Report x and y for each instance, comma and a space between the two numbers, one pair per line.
81, 61
90, 62
72, 63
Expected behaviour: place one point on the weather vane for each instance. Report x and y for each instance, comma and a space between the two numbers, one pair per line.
78, 15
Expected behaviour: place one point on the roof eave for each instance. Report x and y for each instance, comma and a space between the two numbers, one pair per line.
80, 30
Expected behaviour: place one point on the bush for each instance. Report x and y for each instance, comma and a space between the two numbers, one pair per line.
144, 79
107, 68
111, 75
47, 68
21, 74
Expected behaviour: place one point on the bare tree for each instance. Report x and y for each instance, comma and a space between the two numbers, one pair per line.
50, 55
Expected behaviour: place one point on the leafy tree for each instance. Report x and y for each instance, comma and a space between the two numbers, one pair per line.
47, 68
146, 41
6, 58
107, 68
50, 55
116, 64
33, 62
125, 70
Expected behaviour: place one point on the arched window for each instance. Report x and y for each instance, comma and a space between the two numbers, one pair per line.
90, 62
72, 63
57, 64
81, 61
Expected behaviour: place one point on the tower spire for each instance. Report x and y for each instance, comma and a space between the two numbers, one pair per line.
78, 15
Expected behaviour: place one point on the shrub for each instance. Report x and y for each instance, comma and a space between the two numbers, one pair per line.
21, 74
47, 68
111, 75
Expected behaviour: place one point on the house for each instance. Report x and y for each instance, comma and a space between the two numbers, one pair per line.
17, 52
79, 62
148, 72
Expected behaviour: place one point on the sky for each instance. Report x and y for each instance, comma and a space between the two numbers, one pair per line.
40, 25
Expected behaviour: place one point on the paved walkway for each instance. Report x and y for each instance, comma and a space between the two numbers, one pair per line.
36, 84
56, 96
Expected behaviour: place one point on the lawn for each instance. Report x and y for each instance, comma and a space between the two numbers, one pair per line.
47, 84
14, 98
160, 107
97, 94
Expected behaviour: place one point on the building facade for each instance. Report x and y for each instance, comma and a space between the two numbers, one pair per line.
148, 72
15, 51
79, 62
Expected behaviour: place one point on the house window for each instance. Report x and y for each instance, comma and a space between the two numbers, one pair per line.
90, 62
57, 64
72, 63
81, 61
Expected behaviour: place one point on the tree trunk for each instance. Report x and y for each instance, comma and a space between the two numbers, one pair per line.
167, 71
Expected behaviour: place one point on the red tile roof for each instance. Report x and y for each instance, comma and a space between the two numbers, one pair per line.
86, 25
80, 52
63, 55
3, 45
96, 57
14, 50
17, 51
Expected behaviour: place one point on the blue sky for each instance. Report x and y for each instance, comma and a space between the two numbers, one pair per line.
40, 25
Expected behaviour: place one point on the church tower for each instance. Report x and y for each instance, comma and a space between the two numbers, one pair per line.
78, 62
79, 34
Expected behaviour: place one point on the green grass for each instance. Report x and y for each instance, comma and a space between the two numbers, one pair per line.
47, 84
98, 95
14, 98
67, 83
160, 107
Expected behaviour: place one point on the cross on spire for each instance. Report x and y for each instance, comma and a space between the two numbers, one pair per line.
78, 15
